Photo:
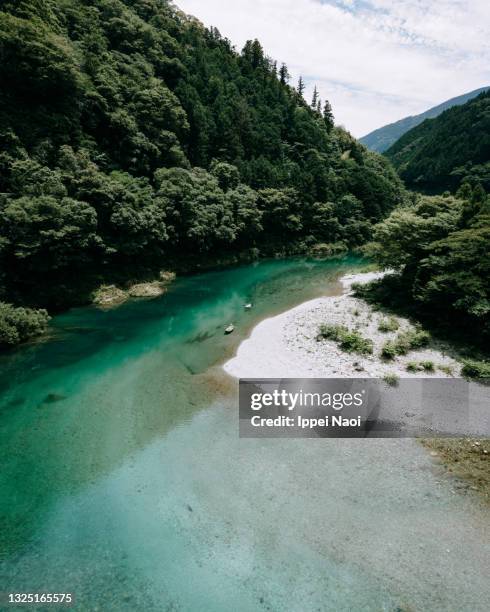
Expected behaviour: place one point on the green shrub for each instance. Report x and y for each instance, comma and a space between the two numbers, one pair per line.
413, 366
447, 369
389, 351
331, 249
391, 380
388, 325
404, 343
20, 324
418, 338
353, 342
362, 290
427, 366
476, 369
350, 341
332, 332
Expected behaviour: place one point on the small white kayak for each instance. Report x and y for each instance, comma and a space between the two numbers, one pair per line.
248, 306
230, 329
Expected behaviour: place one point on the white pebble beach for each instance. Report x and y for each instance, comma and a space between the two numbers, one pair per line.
286, 346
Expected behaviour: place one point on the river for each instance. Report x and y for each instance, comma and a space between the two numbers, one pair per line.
123, 479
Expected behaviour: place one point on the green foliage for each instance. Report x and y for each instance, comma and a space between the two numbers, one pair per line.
383, 138
197, 212
405, 342
20, 324
413, 366
389, 351
391, 380
439, 153
329, 250
441, 248
227, 175
328, 115
332, 332
350, 341
409, 231
388, 325
354, 342
476, 369
130, 135
457, 272
415, 339
447, 369
424, 366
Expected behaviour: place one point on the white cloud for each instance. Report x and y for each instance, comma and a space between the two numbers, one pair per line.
375, 60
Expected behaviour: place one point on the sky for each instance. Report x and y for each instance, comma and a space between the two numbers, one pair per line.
375, 60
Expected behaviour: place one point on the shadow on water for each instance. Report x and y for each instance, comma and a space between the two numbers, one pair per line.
110, 382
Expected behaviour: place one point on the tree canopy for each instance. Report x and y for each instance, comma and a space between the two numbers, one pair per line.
441, 247
442, 153
131, 135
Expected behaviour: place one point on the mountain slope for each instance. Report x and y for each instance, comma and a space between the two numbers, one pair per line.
131, 136
440, 153
383, 138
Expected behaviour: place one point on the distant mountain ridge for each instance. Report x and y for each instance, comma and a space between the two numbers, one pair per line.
383, 138
442, 153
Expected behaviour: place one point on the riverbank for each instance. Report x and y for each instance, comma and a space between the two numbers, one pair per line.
117, 286
466, 459
288, 345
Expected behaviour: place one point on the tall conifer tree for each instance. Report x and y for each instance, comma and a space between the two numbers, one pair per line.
314, 101
301, 86
328, 115
284, 74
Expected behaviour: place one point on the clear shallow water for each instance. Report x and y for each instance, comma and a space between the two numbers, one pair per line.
123, 479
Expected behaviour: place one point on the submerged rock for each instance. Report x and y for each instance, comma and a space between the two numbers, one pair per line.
52, 398
16, 401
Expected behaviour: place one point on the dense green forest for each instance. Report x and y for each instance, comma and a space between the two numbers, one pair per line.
440, 248
383, 138
440, 245
444, 152
132, 139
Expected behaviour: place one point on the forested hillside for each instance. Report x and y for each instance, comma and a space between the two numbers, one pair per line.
440, 244
384, 137
440, 247
444, 152
131, 137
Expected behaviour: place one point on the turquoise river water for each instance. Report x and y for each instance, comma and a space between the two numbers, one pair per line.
123, 479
